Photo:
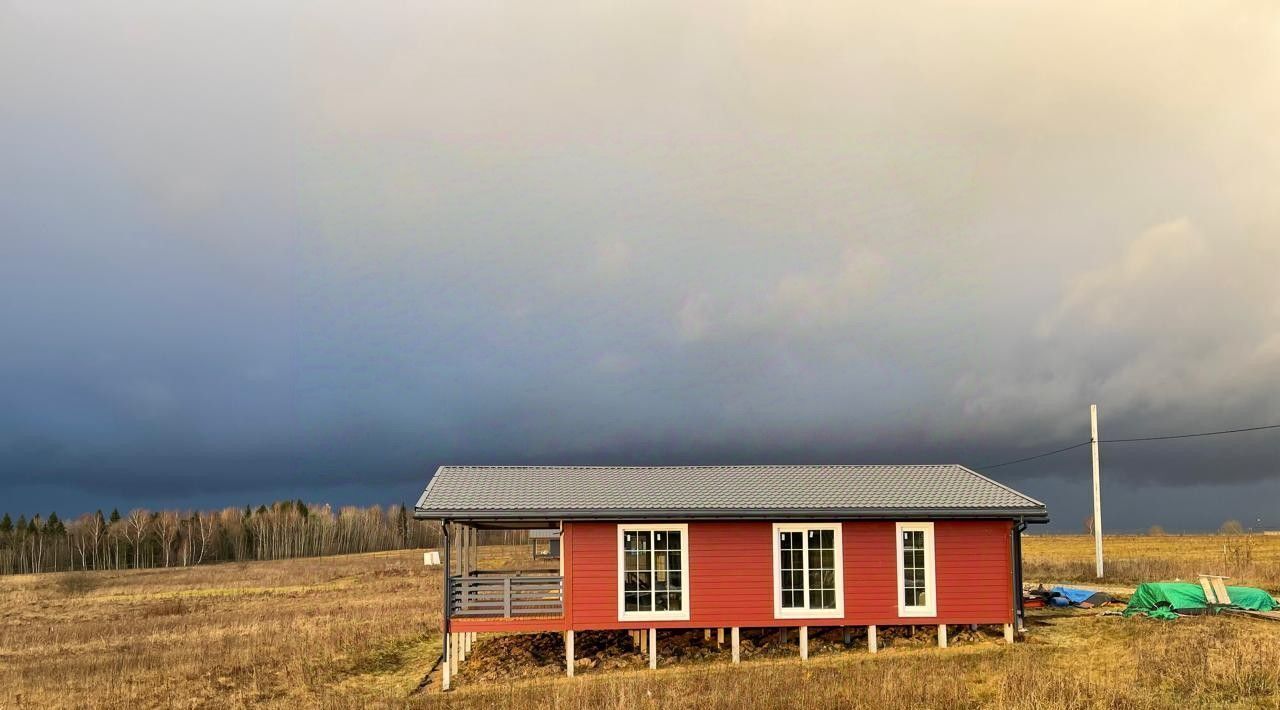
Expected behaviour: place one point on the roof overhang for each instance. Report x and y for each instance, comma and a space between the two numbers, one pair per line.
539, 517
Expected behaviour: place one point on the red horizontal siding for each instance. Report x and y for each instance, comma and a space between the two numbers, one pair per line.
731, 577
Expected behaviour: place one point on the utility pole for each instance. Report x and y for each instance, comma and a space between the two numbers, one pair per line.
1097, 491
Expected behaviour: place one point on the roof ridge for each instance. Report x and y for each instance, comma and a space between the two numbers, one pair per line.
712, 465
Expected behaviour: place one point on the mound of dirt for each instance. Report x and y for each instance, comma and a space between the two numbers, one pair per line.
542, 654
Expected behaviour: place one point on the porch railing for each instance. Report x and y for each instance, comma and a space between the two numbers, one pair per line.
506, 596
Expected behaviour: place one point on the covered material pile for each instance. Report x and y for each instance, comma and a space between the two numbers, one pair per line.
1065, 596
1168, 600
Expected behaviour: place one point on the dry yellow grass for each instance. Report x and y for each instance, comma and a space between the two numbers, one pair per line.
1250, 560
295, 632
361, 630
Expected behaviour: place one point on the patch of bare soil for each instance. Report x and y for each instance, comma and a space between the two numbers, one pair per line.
542, 654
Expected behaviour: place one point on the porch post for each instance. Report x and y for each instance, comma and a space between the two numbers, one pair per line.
804, 643
568, 652
871, 638
653, 648
475, 549
1008, 633
466, 551
942, 635
446, 656
445, 675
461, 544
719, 636
736, 647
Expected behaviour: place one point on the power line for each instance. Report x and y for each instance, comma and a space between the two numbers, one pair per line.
1037, 456
1189, 436
1123, 441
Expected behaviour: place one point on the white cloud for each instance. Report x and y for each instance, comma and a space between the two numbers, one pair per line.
1163, 268
693, 319
615, 363
1173, 325
612, 258
830, 294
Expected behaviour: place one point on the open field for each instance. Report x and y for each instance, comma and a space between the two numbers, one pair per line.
362, 630
1250, 560
293, 632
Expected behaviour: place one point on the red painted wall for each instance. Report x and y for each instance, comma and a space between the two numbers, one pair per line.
731, 577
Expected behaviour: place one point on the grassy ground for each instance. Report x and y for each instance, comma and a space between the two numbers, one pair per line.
1250, 560
361, 630
290, 633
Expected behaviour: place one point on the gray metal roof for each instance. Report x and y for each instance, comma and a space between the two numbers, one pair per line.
703, 492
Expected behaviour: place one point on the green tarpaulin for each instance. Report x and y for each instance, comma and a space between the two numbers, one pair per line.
1162, 599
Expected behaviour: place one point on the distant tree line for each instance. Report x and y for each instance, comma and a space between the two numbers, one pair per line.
143, 538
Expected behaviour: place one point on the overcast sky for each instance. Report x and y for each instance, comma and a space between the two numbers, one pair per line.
313, 250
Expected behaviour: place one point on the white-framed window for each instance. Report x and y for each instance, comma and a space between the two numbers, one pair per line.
917, 586
653, 572
808, 570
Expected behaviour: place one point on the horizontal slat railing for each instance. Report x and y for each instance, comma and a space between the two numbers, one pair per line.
506, 596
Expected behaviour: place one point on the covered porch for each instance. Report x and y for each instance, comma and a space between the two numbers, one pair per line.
521, 591
526, 586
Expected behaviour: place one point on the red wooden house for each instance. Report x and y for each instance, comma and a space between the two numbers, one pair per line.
725, 547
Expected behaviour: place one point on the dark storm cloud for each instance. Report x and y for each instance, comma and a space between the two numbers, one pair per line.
311, 251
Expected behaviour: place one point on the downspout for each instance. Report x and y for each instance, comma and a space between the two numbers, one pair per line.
1019, 613
447, 592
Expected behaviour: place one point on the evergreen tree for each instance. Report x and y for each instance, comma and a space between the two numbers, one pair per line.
262, 510
33, 527
52, 524
22, 523
6, 524
115, 515
248, 512
302, 507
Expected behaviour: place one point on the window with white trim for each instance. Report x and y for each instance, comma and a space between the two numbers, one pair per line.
808, 570
917, 587
653, 572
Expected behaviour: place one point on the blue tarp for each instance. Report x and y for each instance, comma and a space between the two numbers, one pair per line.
1073, 595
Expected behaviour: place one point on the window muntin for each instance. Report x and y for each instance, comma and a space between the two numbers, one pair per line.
917, 588
808, 570
914, 589
653, 572
792, 561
